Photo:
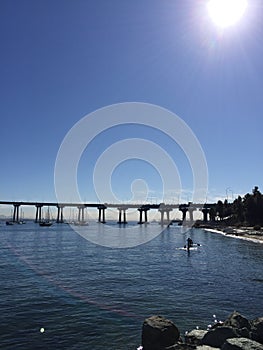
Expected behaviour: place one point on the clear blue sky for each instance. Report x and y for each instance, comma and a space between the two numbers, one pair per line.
62, 59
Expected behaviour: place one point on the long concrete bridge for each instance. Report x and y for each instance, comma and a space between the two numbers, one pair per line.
164, 209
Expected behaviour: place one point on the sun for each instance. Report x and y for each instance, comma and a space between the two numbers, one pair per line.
225, 13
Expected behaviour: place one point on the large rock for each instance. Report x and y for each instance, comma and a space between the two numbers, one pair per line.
195, 336
159, 333
257, 330
216, 337
241, 344
241, 323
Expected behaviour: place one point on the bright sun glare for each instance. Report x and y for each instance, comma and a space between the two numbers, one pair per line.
225, 13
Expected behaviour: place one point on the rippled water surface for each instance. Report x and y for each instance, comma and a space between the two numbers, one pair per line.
85, 296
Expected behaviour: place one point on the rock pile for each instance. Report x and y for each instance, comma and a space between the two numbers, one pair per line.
235, 333
159, 333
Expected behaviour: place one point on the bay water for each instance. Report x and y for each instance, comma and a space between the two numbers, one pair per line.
58, 290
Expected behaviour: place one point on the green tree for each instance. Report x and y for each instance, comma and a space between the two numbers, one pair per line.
253, 207
220, 210
238, 210
212, 213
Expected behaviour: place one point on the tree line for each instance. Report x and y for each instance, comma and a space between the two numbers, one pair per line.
247, 210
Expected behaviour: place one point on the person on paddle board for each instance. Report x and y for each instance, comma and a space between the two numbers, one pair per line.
190, 243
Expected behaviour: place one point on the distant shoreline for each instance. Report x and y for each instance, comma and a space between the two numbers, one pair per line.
244, 233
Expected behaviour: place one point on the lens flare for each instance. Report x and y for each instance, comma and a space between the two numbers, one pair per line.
225, 13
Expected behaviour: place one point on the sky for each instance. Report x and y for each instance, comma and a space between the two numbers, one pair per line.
62, 60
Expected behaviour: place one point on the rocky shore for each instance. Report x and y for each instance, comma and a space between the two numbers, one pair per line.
254, 234
235, 333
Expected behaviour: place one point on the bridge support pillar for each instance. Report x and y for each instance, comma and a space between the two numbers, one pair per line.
191, 214
122, 211
143, 210
38, 213
168, 216
101, 218
140, 218
81, 214
184, 210
16, 213
167, 211
162, 216
60, 218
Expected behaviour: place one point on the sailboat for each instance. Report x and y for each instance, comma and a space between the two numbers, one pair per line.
21, 222
47, 221
11, 221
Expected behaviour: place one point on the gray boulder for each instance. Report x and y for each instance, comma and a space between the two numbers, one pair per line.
158, 333
257, 330
216, 337
195, 337
241, 344
236, 320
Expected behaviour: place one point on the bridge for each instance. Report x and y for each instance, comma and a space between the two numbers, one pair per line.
164, 209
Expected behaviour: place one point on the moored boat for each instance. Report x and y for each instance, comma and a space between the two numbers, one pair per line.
80, 223
9, 222
47, 221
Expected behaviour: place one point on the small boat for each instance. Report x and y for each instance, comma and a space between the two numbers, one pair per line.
80, 223
47, 221
9, 222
